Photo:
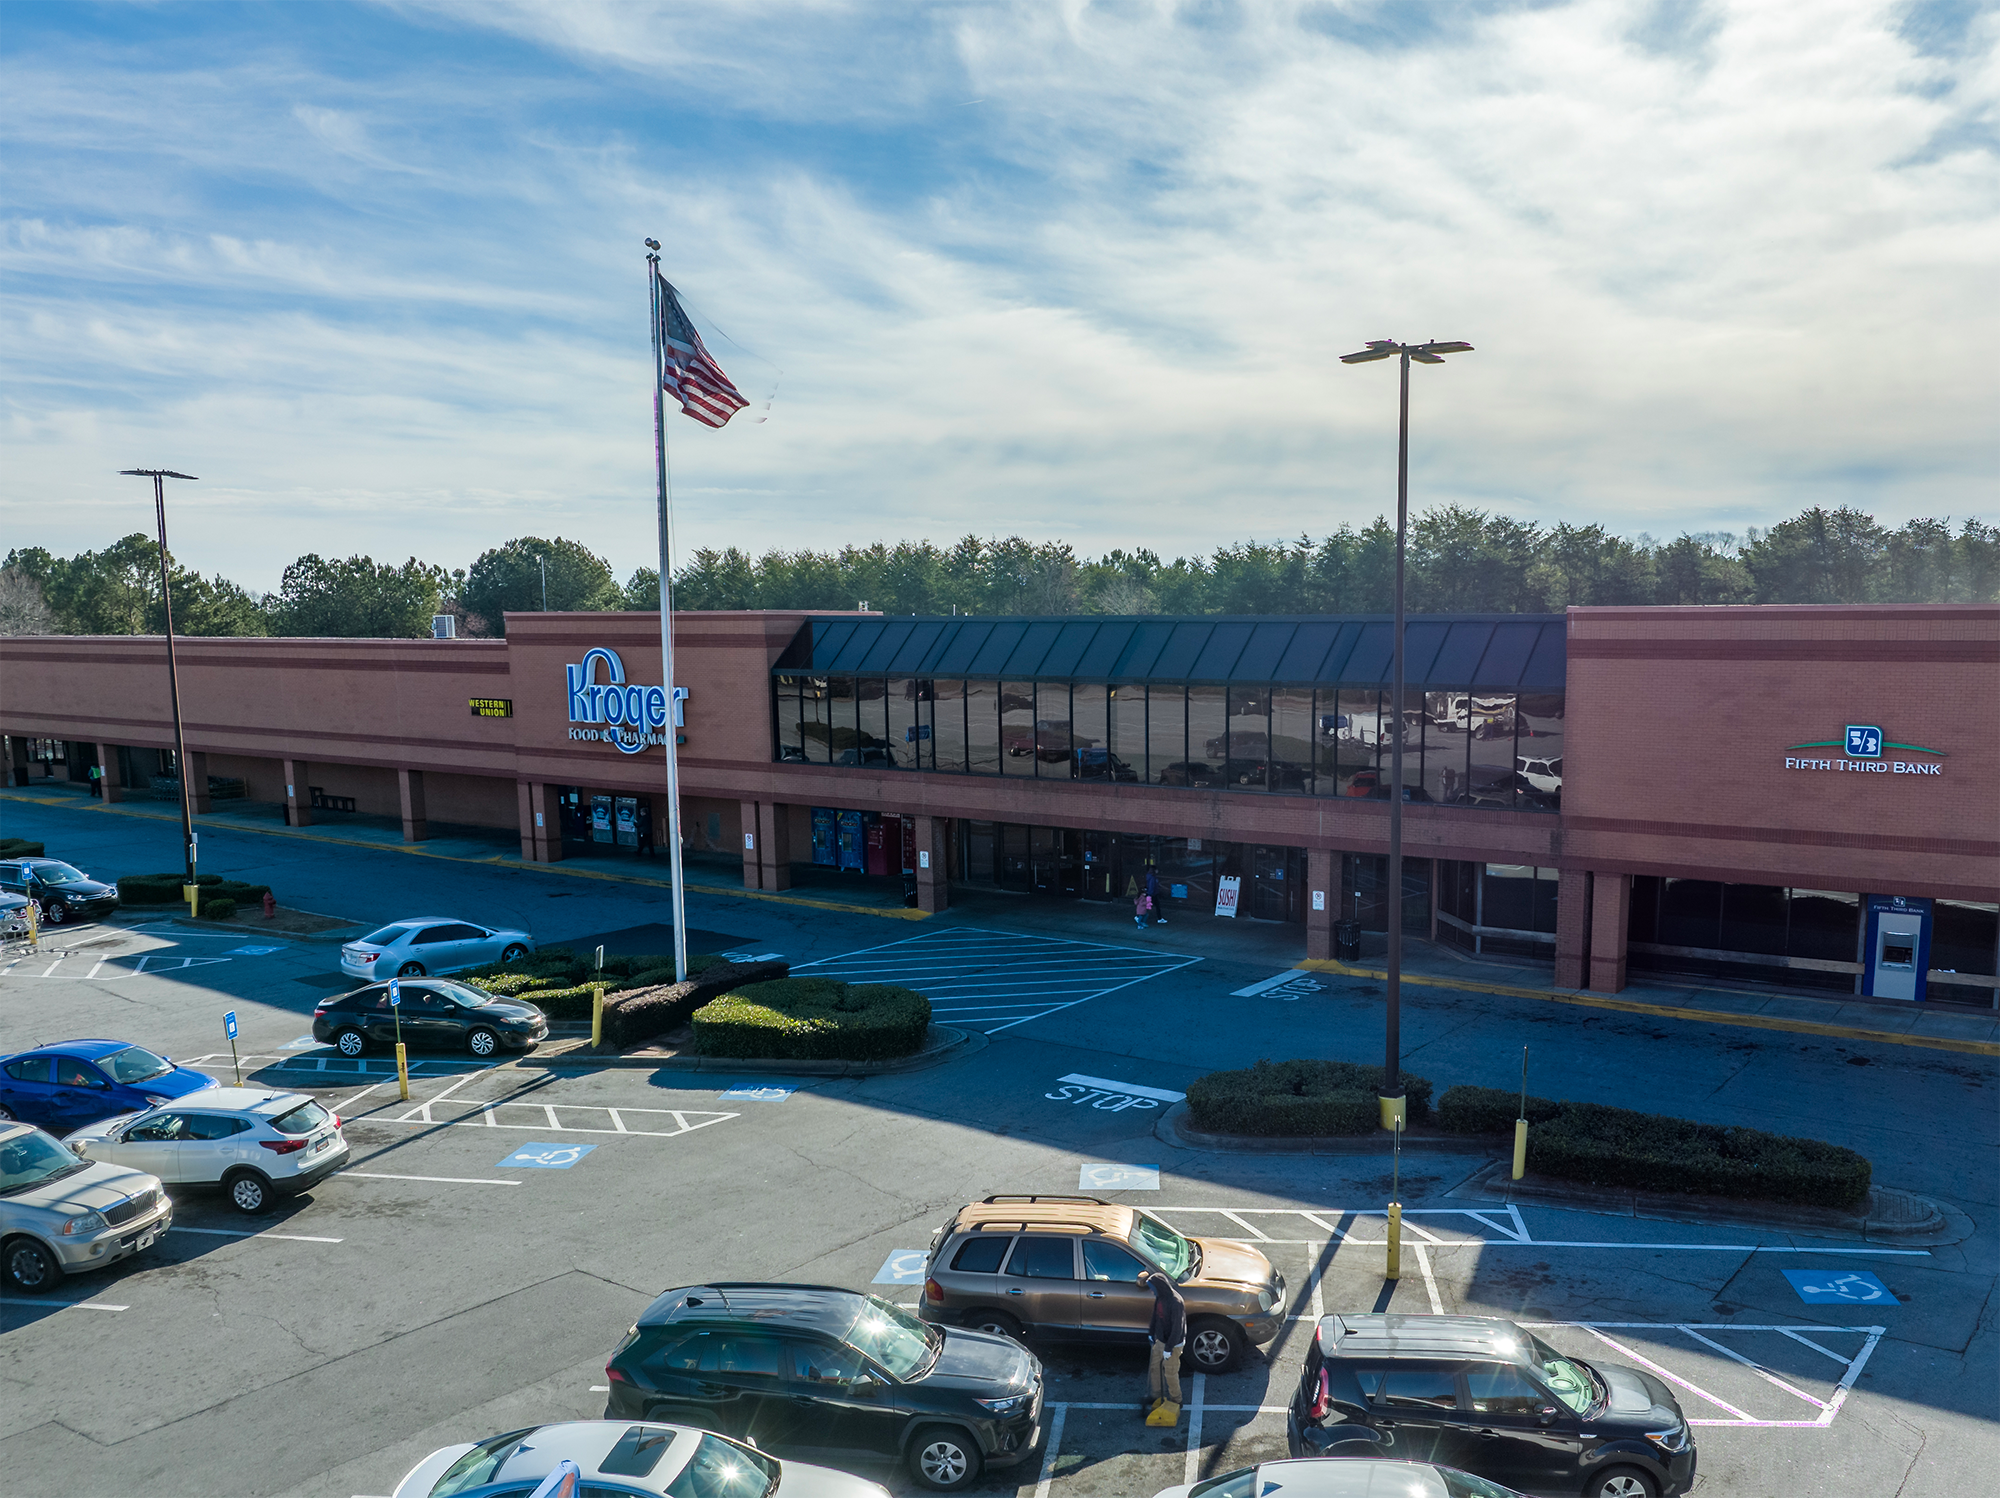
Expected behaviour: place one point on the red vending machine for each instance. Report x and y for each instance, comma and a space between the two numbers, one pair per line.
885, 844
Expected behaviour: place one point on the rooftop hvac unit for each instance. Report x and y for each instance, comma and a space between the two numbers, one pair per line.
444, 626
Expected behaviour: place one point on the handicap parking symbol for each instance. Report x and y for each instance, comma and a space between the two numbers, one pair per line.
904, 1266
760, 1092
546, 1156
1107, 1177
1839, 1287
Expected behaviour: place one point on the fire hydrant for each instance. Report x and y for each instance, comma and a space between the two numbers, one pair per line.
270, 905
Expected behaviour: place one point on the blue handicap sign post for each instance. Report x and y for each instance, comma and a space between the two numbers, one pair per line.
229, 1029
1839, 1287
395, 993
229, 1024
546, 1156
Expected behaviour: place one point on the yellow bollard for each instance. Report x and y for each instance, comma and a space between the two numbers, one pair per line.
192, 894
1395, 1241
403, 1071
1520, 1148
1395, 1112
596, 1016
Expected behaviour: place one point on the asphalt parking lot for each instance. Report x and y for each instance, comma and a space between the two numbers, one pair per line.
496, 1234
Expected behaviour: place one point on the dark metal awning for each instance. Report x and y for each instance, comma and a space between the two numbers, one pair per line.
1500, 652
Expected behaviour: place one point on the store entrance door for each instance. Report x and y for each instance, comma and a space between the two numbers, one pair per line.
1099, 865
1898, 949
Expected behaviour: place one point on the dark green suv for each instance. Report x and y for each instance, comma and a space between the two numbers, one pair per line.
1481, 1394
830, 1376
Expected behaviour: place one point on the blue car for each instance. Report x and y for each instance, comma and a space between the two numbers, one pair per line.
69, 1084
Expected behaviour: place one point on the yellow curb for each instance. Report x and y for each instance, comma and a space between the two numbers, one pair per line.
1664, 1011
894, 913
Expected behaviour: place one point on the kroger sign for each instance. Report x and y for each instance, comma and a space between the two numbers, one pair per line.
632, 716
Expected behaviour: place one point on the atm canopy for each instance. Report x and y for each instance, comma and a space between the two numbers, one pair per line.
1501, 652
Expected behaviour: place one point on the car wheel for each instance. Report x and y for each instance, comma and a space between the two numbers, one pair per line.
30, 1268
1621, 1482
999, 1323
514, 953
944, 1459
248, 1192
6, 1114
350, 1042
1214, 1346
482, 1042
410, 970
54, 913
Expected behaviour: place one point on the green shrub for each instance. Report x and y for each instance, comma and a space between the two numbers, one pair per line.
1298, 1099
20, 847
221, 908
165, 889
1489, 1110
641, 1013
813, 1019
559, 982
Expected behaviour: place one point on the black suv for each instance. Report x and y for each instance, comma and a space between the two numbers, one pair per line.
830, 1376
434, 1012
64, 894
1481, 1394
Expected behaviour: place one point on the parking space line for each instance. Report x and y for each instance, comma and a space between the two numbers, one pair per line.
1430, 1280
1247, 1227
232, 1233
1808, 1341
1050, 1450
69, 1305
617, 1122
1757, 1368
1646, 1362
1191, 1469
378, 1175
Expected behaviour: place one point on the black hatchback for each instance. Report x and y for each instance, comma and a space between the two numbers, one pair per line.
830, 1376
63, 893
1481, 1394
435, 1013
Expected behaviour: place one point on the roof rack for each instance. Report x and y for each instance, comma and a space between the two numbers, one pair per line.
1088, 1201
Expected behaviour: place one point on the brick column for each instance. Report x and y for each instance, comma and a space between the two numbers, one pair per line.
1610, 912
1322, 900
1572, 927
107, 763
416, 825
774, 845
298, 797
541, 822
753, 867
196, 772
933, 881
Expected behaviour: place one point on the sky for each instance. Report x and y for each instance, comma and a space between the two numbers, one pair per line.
1069, 269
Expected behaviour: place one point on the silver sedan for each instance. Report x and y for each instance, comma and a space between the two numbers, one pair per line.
431, 944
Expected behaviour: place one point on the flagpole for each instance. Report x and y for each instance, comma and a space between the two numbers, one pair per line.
667, 622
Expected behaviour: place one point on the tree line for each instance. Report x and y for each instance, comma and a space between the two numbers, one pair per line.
1461, 560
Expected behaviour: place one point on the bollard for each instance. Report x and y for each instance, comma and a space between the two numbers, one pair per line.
596, 1016
402, 1071
192, 894
1395, 1271
1520, 1148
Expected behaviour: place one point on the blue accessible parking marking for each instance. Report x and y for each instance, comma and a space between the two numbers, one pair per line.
904, 1266
545, 1156
253, 951
760, 1092
1839, 1287
1106, 1177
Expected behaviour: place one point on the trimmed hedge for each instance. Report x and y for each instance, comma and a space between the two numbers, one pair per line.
560, 982
20, 847
1299, 1099
642, 1013
222, 908
1605, 1146
814, 1019
165, 889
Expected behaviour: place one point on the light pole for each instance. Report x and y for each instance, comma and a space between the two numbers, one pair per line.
543, 563
1393, 1112
159, 476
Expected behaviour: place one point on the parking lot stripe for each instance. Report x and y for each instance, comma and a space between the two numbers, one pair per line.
1793, 1334
1757, 1368
1646, 1362
232, 1233
1247, 1227
378, 1175
71, 1305
1050, 1450
1191, 1468
1430, 1280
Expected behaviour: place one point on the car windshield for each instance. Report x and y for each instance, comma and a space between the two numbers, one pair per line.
134, 1064
722, 1469
1165, 1247
31, 1159
1569, 1380
1464, 1485
889, 1336
57, 873
386, 937
302, 1119
1242, 1483
480, 1465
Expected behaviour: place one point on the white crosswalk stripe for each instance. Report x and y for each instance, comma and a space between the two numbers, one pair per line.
995, 980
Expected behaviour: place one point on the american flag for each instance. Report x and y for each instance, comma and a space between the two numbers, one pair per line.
691, 377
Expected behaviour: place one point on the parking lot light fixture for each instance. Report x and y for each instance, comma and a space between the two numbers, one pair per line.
159, 476
1433, 352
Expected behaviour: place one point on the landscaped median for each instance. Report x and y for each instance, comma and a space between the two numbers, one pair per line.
814, 1019
218, 899
1589, 1144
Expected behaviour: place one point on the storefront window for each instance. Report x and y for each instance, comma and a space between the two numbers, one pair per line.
1826, 924
1207, 736
841, 734
1017, 727
1126, 729
1446, 741
1187, 873
1166, 734
1249, 738
1964, 936
976, 858
948, 727
790, 718
1490, 777
1753, 918
872, 723
1053, 737
1538, 750
982, 727
1690, 913
905, 711
1292, 739
1357, 741
1012, 866
1090, 733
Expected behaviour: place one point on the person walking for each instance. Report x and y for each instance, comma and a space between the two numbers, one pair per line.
1165, 1337
1153, 895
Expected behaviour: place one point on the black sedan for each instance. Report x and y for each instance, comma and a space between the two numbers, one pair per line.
831, 1376
63, 893
434, 1012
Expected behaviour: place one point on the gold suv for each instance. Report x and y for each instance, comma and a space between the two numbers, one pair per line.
1067, 1267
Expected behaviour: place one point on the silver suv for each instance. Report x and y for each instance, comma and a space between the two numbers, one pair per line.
60, 1215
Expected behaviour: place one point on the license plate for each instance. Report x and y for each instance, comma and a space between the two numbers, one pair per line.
149, 1240
320, 1144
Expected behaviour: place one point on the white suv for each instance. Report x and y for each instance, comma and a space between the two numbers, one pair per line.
256, 1144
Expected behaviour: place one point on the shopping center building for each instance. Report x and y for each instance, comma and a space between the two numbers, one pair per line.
1800, 796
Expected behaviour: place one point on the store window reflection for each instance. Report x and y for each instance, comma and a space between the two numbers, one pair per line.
1166, 733
1125, 740
948, 727
1446, 740
904, 702
1248, 738
1538, 751
790, 719
982, 727
1207, 737
1090, 756
1017, 727
1291, 740
1054, 736
868, 744
1490, 773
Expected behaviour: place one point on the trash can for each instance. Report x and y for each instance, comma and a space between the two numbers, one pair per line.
1347, 941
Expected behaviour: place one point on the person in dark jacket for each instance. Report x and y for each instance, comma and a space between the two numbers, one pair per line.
1153, 896
1165, 1336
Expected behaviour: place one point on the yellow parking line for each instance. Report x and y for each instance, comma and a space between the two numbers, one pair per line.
1664, 1011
